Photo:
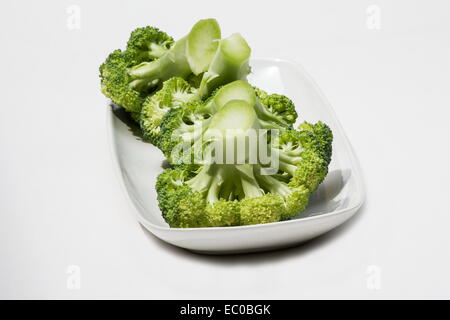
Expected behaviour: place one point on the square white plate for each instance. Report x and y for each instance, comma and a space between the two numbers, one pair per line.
336, 200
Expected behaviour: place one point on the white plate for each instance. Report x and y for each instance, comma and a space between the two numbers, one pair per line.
336, 200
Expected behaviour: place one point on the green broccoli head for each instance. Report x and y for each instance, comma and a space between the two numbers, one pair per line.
145, 45
189, 197
151, 57
325, 136
128, 77
218, 193
190, 204
302, 167
275, 110
175, 92
115, 79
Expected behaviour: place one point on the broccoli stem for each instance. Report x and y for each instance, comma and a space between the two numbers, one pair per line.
230, 63
156, 50
202, 43
172, 63
267, 124
220, 178
140, 85
238, 89
268, 119
274, 186
227, 190
225, 181
287, 167
216, 184
288, 159
202, 181
249, 183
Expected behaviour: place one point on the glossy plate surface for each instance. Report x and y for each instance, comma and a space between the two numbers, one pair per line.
336, 200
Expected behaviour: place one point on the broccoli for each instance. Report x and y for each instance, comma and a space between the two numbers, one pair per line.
151, 57
275, 109
192, 100
174, 92
213, 194
228, 65
178, 125
148, 43
155, 73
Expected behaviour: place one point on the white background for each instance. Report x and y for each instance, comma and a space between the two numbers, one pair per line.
61, 203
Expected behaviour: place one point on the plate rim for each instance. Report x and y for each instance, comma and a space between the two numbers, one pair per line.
352, 157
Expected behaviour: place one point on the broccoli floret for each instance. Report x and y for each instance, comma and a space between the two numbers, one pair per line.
146, 76
179, 124
151, 57
149, 43
178, 129
114, 80
174, 93
302, 166
275, 109
315, 160
325, 137
214, 193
